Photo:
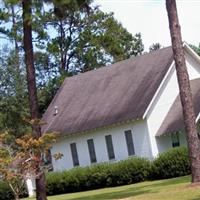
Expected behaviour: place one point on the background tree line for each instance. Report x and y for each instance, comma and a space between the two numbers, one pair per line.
66, 41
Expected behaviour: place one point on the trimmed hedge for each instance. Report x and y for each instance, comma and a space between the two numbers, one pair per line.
173, 163
98, 176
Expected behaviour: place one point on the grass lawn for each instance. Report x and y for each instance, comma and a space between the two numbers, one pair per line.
169, 189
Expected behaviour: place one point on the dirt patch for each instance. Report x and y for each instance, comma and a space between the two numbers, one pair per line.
193, 185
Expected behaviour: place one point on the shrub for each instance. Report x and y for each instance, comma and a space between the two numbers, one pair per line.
129, 171
172, 163
7, 194
98, 176
5, 191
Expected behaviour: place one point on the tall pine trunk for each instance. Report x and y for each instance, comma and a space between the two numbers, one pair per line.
32, 90
185, 90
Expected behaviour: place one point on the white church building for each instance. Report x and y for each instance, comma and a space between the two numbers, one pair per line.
131, 108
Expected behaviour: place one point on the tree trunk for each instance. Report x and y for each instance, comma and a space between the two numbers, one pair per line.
185, 91
15, 192
16, 195
32, 90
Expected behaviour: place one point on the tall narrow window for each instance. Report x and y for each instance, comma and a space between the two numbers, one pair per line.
109, 145
175, 140
91, 149
129, 142
74, 154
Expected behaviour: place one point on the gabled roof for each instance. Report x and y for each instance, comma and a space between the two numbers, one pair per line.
108, 95
174, 120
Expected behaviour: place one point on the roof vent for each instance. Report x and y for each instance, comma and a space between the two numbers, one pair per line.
55, 110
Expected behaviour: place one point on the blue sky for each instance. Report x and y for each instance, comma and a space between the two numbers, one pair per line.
150, 18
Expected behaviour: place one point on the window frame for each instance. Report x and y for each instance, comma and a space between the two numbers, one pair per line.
91, 150
110, 147
74, 154
129, 142
175, 139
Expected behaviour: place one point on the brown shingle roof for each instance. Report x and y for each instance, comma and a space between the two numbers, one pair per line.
108, 95
174, 120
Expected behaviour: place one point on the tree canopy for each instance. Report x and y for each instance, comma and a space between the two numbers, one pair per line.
68, 38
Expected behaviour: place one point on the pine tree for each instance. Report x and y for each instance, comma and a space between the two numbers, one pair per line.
185, 90
31, 83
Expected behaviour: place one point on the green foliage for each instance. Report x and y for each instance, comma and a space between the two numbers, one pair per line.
129, 171
155, 46
62, 7
5, 192
87, 41
82, 39
172, 163
13, 96
196, 48
82, 42
98, 176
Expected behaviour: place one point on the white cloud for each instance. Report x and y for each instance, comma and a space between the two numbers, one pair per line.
150, 18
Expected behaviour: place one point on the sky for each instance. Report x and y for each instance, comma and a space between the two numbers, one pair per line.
149, 17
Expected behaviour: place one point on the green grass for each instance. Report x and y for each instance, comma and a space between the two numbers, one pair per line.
169, 189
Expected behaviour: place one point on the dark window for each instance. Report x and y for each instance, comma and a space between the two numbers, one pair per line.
129, 142
74, 154
175, 140
109, 145
91, 149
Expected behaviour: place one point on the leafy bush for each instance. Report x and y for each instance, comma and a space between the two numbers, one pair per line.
98, 176
172, 163
5, 192
129, 171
